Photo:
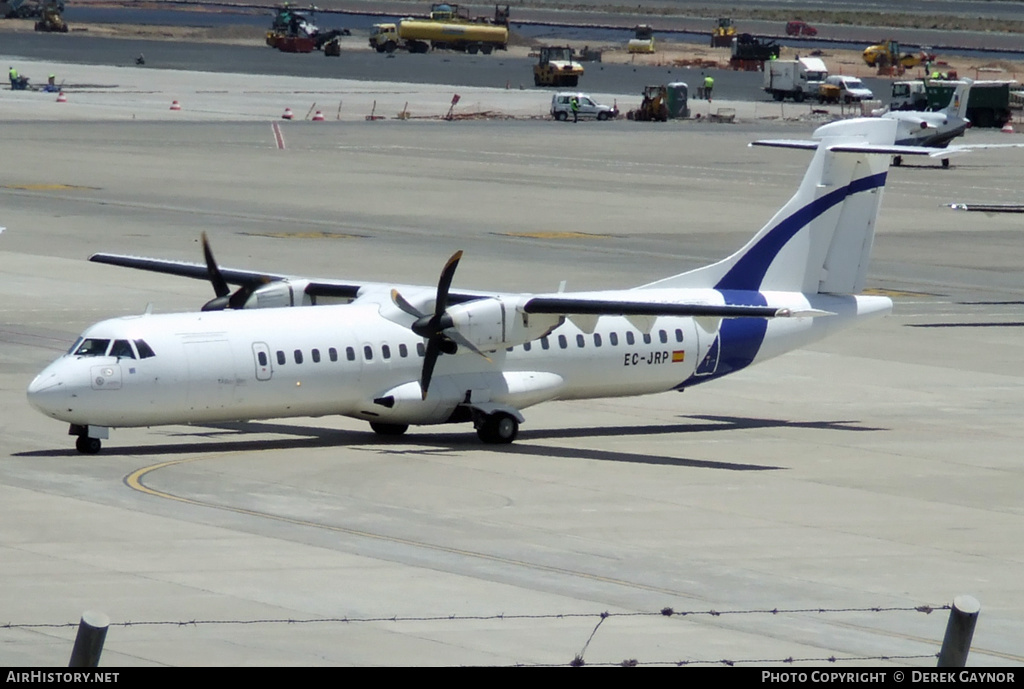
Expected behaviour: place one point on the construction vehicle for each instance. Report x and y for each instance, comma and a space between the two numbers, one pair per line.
422, 35
654, 107
448, 27
25, 9
722, 35
643, 39
797, 79
749, 53
294, 31
556, 67
888, 59
51, 21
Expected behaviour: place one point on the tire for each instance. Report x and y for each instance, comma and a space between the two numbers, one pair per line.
561, 116
87, 445
945, 162
798, 96
486, 49
498, 428
602, 116
472, 49
897, 161
388, 429
778, 95
390, 47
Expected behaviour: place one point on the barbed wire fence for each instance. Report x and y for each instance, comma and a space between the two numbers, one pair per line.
579, 659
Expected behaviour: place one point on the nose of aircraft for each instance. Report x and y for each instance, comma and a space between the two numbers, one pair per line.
48, 391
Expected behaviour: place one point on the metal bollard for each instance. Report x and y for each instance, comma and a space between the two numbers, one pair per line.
959, 632
92, 632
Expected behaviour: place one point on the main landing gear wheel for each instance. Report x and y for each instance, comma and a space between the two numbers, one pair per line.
389, 429
87, 445
498, 428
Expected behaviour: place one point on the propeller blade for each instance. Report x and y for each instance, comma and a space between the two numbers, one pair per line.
429, 359
220, 285
456, 336
444, 284
401, 303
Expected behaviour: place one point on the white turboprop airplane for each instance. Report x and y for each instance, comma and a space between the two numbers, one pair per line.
400, 355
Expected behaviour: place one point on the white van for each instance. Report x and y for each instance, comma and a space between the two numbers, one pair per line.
850, 88
561, 107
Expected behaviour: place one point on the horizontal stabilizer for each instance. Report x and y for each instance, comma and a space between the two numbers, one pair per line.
889, 149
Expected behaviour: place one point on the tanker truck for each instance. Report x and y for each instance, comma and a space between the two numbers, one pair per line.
421, 35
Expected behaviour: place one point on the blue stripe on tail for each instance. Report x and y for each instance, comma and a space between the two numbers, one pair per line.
750, 269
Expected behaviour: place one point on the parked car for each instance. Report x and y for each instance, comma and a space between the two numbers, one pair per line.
800, 29
851, 89
561, 107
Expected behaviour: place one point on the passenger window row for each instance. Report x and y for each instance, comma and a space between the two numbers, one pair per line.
385, 351
333, 354
598, 341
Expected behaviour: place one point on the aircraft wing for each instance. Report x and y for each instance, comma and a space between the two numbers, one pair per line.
247, 278
570, 306
314, 287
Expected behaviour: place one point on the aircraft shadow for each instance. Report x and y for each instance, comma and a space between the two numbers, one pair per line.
1011, 324
307, 437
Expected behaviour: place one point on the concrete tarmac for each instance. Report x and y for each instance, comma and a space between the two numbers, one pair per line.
844, 485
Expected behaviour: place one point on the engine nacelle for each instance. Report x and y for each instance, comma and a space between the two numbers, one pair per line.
495, 323
280, 293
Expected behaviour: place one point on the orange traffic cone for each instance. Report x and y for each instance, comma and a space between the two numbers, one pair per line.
61, 98
175, 105
318, 117
287, 114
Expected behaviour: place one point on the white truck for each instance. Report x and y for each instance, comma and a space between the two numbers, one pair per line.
797, 79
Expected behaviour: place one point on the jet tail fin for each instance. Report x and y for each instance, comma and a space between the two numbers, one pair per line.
821, 240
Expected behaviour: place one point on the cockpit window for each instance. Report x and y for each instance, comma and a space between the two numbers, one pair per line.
74, 347
145, 351
122, 349
92, 347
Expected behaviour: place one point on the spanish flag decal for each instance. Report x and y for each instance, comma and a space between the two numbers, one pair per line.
678, 356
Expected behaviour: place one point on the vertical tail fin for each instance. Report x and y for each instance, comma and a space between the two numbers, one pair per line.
957, 106
820, 241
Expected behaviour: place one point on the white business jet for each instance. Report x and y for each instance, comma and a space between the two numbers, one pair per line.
934, 129
397, 355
